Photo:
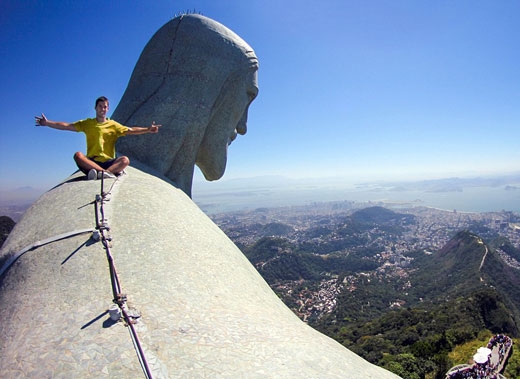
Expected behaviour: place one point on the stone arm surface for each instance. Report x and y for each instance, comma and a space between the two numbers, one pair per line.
174, 265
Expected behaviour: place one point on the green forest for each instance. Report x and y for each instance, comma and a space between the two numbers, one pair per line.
450, 300
422, 342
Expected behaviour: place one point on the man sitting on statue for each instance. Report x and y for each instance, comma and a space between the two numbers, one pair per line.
101, 134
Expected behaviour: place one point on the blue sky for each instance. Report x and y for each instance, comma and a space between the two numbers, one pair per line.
362, 89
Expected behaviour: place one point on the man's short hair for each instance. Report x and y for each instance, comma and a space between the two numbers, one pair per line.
99, 99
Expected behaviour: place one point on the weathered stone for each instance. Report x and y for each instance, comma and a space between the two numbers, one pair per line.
205, 310
196, 78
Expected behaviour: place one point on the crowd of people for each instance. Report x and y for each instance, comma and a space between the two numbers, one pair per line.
501, 344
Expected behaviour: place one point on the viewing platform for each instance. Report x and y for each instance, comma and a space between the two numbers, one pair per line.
489, 361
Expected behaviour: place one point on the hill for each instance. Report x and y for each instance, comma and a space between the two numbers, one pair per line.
6, 225
400, 288
467, 265
454, 294
381, 216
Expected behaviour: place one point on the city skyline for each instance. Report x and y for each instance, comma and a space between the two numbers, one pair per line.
367, 90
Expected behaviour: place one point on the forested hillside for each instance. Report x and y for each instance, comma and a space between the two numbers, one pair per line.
402, 289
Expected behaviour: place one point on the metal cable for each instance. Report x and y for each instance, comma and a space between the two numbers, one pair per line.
119, 297
37, 244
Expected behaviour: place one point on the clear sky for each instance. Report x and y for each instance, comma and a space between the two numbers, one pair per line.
362, 89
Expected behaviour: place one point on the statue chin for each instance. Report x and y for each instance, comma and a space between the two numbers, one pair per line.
212, 165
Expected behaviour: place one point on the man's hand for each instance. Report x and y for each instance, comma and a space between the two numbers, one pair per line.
40, 120
44, 121
138, 130
154, 128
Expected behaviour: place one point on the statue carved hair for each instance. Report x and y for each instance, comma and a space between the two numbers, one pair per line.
197, 78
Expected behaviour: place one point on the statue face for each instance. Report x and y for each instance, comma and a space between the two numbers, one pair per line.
228, 120
197, 78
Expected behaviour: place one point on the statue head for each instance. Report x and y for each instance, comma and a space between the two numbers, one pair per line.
197, 78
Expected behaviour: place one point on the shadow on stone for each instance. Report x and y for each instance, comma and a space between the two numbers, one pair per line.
77, 176
96, 319
88, 242
109, 322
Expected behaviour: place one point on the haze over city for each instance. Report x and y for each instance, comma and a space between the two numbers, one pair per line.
380, 90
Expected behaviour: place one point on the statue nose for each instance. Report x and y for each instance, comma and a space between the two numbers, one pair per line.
242, 125
242, 129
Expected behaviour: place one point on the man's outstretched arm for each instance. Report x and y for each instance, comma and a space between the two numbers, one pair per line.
136, 130
43, 121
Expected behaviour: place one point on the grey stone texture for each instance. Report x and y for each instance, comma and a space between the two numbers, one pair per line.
205, 310
197, 78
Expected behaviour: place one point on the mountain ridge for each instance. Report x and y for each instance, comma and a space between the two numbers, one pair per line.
413, 297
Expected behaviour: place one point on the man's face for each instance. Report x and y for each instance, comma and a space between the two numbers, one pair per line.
101, 109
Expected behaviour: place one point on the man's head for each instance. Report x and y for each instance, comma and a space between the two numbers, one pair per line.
101, 99
197, 78
101, 108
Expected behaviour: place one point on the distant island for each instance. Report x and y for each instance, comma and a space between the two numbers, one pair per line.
480, 194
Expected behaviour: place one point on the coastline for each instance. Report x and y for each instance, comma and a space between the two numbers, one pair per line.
470, 200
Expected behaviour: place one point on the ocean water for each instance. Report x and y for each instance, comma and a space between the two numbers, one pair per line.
464, 199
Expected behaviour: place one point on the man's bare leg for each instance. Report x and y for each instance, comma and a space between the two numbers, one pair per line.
86, 164
119, 165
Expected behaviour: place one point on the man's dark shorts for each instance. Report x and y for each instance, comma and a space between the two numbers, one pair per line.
103, 165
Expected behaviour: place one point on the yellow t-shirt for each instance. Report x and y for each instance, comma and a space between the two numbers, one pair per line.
101, 138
